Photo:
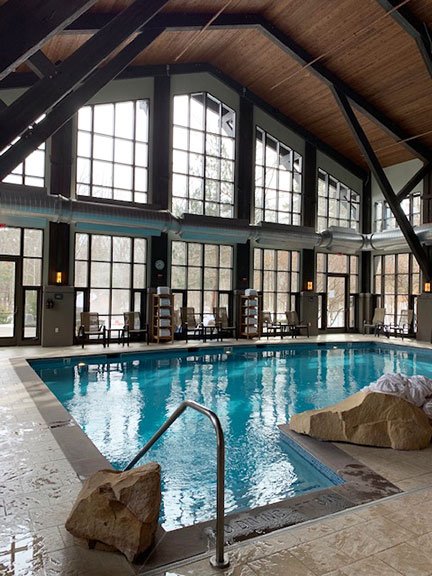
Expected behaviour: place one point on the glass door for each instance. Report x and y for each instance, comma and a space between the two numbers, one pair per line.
8, 301
336, 302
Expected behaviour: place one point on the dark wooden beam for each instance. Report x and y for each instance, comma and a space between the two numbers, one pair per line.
48, 91
410, 236
246, 160
40, 64
414, 27
178, 21
161, 122
25, 25
62, 181
418, 177
310, 185
67, 107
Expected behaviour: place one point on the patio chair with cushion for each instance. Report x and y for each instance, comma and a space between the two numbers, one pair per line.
268, 326
295, 325
377, 321
133, 327
91, 326
189, 321
223, 325
404, 325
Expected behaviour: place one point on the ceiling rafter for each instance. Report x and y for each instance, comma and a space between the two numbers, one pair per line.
43, 95
404, 224
179, 21
414, 27
40, 64
25, 25
69, 105
412, 182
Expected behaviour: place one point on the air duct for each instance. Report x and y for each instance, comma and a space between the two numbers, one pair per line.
30, 205
345, 240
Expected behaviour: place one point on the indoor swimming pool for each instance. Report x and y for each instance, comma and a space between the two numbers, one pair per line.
121, 400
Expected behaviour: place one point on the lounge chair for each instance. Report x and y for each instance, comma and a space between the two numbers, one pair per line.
223, 325
295, 325
377, 321
189, 321
133, 327
404, 324
268, 326
91, 326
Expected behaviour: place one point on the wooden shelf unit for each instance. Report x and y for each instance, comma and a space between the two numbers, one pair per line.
162, 324
249, 313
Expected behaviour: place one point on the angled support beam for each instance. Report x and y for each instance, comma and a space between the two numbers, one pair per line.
412, 182
191, 21
67, 107
414, 27
416, 247
48, 91
40, 64
27, 24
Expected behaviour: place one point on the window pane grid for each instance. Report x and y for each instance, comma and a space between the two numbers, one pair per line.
205, 271
397, 279
338, 205
276, 274
278, 181
383, 216
111, 267
112, 151
203, 156
31, 172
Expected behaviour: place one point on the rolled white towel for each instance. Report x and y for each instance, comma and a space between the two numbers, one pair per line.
418, 389
427, 408
391, 383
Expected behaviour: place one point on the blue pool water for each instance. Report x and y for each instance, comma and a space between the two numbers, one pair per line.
121, 401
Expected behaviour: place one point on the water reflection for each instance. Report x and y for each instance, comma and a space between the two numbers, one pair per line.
121, 404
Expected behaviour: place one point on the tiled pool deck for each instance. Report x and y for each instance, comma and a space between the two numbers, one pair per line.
38, 485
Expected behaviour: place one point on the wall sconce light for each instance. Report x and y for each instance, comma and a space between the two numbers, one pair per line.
309, 285
59, 277
427, 287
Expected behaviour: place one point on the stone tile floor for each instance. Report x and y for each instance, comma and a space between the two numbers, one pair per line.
38, 486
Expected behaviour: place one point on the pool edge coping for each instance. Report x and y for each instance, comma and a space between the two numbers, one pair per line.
85, 459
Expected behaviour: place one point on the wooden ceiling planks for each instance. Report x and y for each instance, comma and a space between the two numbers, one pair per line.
421, 10
202, 6
356, 41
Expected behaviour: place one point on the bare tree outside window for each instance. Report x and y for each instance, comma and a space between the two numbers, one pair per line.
338, 205
278, 181
203, 167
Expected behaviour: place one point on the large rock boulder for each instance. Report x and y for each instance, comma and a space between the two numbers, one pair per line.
368, 418
118, 509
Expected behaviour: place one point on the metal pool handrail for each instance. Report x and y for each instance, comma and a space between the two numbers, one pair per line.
220, 560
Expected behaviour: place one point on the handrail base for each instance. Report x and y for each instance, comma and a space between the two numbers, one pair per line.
216, 564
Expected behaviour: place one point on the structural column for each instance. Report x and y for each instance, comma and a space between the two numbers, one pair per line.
58, 295
424, 301
158, 245
245, 188
366, 304
308, 298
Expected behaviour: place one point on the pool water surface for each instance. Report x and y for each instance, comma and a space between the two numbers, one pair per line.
121, 401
